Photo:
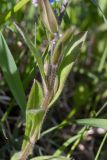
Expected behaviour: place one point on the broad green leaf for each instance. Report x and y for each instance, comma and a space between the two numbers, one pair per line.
94, 122
34, 51
51, 158
67, 63
14, 10
11, 74
34, 117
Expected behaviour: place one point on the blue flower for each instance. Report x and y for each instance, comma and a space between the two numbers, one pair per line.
51, 1
35, 2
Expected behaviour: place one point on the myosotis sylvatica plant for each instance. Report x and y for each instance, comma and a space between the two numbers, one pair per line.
54, 69
54, 62
54, 66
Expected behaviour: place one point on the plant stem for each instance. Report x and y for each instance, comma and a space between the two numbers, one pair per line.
62, 12
48, 94
29, 148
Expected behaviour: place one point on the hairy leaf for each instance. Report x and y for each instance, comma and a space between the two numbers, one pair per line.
70, 55
34, 116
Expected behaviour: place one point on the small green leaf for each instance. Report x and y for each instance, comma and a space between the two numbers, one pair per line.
94, 122
70, 55
35, 97
51, 158
11, 74
34, 116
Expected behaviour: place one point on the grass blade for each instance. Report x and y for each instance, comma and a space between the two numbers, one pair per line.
50, 158
100, 148
11, 74
94, 122
34, 51
66, 144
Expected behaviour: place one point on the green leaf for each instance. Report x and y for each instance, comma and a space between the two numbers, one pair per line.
94, 122
34, 117
14, 10
70, 55
34, 51
11, 74
50, 158
16, 156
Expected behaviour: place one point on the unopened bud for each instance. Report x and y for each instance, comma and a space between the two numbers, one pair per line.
48, 16
60, 44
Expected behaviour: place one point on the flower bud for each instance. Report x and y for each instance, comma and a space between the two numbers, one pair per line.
60, 44
48, 16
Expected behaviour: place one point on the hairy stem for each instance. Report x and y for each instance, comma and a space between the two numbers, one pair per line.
48, 94
62, 12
